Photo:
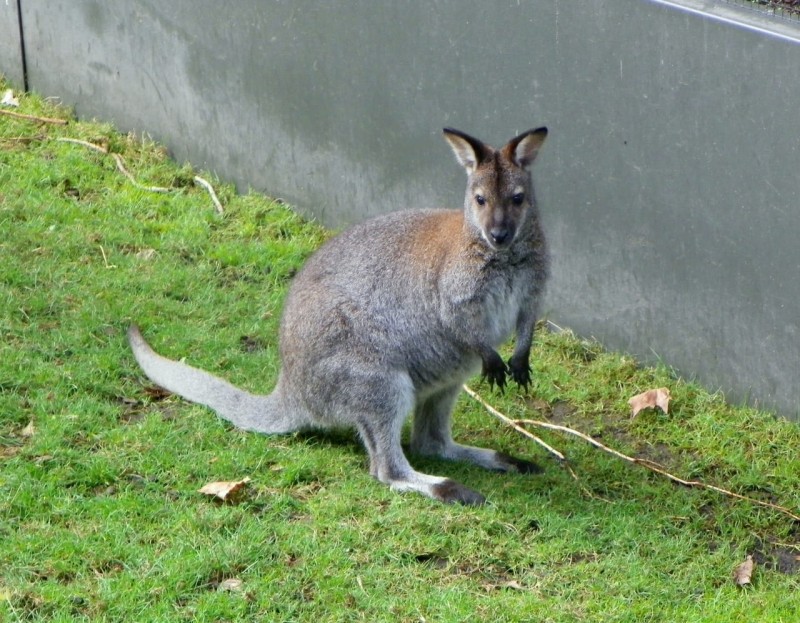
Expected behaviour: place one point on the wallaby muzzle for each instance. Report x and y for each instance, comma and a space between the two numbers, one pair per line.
502, 233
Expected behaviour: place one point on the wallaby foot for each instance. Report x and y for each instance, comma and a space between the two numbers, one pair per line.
432, 436
441, 489
519, 465
392, 468
488, 459
450, 491
380, 429
389, 465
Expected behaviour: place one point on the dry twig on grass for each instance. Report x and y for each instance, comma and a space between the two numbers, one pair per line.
19, 115
21, 139
210, 189
121, 168
507, 420
519, 425
118, 159
87, 144
558, 455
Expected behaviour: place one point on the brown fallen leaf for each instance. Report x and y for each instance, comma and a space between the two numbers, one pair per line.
156, 393
7, 452
233, 585
509, 585
29, 430
227, 491
146, 254
743, 574
8, 99
650, 399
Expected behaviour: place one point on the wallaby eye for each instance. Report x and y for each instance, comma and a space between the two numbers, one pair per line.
480, 200
518, 199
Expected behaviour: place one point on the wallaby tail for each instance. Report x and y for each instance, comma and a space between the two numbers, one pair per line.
264, 414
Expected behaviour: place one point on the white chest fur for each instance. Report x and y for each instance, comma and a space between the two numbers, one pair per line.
502, 310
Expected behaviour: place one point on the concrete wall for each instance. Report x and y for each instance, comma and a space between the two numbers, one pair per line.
10, 43
668, 182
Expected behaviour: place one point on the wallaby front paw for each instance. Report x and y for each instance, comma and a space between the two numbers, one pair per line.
451, 492
495, 371
520, 371
519, 465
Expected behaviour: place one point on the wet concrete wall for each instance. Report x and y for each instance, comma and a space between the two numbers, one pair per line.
10, 42
668, 181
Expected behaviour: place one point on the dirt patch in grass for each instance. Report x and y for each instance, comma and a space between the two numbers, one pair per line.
780, 557
252, 344
134, 410
609, 429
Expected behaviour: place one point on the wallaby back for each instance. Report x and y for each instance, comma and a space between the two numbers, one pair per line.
393, 315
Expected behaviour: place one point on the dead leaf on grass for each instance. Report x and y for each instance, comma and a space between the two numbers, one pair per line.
146, 254
28, 431
650, 399
233, 585
743, 574
8, 452
9, 99
227, 491
512, 585
157, 393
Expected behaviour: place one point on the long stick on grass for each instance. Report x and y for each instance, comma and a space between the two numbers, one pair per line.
210, 190
153, 189
514, 425
519, 425
121, 168
19, 115
558, 455
118, 159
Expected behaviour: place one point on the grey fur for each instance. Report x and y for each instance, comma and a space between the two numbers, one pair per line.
393, 315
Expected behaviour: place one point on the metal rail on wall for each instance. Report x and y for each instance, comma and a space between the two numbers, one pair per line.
752, 18
22, 47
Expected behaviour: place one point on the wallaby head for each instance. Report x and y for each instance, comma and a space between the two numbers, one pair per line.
499, 189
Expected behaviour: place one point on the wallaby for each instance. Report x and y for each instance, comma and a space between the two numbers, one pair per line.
393, 315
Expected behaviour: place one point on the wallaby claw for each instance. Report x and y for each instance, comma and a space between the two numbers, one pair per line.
520, 371
452, 492
519, 465
495, 371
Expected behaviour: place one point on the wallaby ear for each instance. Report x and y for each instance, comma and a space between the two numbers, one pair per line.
522, 150
469, 151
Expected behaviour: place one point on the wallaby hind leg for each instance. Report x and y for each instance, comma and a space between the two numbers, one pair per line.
380, 427
431, 435
389, 465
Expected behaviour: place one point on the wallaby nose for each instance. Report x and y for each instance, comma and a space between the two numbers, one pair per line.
499, 234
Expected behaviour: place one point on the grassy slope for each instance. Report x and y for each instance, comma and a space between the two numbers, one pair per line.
99, 515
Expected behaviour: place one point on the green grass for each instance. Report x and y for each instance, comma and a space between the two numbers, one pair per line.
100, 518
